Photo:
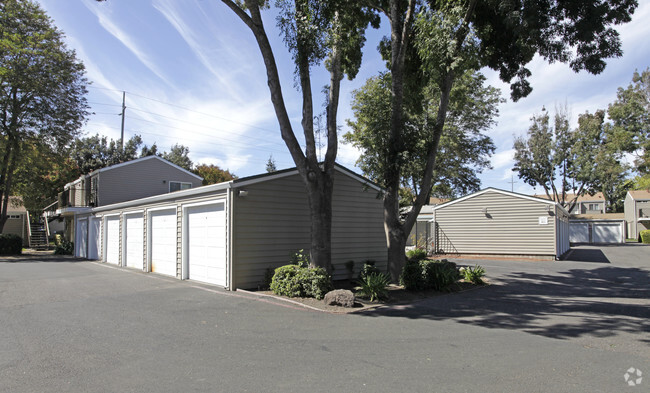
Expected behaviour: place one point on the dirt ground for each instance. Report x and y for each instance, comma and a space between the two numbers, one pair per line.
396, 295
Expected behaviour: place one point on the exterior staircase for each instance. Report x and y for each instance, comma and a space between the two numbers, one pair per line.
38, 238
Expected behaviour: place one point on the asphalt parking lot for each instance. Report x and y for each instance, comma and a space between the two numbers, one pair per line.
573, 325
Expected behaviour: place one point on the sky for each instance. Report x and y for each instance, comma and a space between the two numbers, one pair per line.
193, 75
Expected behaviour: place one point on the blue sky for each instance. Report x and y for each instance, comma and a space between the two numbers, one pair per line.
193, 75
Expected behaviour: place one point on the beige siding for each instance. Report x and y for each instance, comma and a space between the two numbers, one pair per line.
139, 180
629, 217
17, 226
642, 207
511, 226
272, 221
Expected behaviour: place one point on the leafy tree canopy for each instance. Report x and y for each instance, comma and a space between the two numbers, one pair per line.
464, 149
42, 92
212, 174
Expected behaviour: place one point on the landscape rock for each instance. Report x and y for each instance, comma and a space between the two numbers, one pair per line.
339, 297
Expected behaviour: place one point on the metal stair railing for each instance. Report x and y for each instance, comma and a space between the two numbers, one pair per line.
440, 243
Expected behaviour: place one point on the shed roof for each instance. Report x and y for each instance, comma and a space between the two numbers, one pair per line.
504, 192
640, 195
16, 205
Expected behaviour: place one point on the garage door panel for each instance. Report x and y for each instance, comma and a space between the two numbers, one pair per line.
94, 236
206, 240
134, 241
607, 233
579, 232
113, 240
163, 242
81, 234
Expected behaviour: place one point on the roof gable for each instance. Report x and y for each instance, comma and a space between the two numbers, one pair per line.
499, 191
639, 195
139, 160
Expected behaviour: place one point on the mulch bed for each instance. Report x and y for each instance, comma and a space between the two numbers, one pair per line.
397, 295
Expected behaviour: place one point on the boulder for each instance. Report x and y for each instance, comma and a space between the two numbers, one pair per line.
339, 297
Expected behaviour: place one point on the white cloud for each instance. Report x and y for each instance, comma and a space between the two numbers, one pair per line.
105, 20
503, 158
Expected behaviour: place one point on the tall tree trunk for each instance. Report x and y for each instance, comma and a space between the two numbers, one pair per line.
319, 193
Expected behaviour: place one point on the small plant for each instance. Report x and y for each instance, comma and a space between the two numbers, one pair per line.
412, 278
64, 248
439, 275
474, 274
373, 287
296, 281
299, 258
368, 268
416, 254
10, 244
644, 236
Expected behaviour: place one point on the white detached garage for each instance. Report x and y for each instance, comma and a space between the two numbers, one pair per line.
229, 234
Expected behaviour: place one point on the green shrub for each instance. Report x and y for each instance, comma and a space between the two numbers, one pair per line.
373, 286
416, 254
64, 248
473, 274
296, 281
439, 275
367, 269
11, 244
299, 258
412, 278
645, 236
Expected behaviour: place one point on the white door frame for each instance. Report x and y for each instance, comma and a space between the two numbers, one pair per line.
125, 218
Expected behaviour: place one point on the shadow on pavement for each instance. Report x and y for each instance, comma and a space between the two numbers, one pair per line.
600, 302
586, 255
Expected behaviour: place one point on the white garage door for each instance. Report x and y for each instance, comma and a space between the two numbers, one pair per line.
81, 234
163, 242
113, 240
579, 232
134, 240
94, 234
607, 232
206, 243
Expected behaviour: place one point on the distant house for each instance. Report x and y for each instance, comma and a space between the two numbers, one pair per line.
585, 204
637, 212
500, 222
421, 232
17, 219
140, 178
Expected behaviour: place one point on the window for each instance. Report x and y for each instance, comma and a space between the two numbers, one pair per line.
13, 217
593, 206
178, 186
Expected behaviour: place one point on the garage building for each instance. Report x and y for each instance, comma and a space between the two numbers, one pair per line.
499, 222
229, 234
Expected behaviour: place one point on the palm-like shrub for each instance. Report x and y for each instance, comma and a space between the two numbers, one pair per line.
373, 286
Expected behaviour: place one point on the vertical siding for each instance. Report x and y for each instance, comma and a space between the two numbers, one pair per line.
145, 224
272, 222
139, 180
641, 225
511, 226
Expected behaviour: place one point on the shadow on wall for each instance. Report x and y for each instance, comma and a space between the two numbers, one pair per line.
566, 305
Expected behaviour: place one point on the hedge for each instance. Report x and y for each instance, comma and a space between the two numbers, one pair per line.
11, 244
645, 236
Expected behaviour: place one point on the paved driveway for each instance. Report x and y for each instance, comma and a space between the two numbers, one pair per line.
542, 326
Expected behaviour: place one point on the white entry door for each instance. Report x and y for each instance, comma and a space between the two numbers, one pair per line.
163, 241
94, 236
134, 240
607, 232
81, 234
206, 243
112, 241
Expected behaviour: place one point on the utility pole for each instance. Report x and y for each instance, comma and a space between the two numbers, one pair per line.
512, 183
123, 109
